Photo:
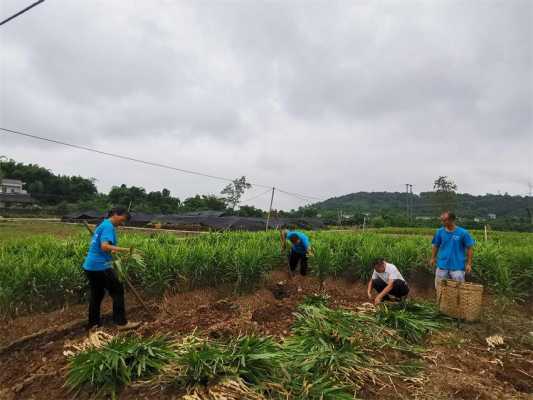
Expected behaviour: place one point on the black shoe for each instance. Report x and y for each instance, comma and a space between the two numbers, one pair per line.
397, 299
128, 325
94, 327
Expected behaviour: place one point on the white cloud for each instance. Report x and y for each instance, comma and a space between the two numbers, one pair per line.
323, 99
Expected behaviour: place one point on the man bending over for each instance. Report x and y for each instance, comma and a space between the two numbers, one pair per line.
299, 250
386, 281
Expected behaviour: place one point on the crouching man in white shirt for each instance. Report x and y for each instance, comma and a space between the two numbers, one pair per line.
386, 281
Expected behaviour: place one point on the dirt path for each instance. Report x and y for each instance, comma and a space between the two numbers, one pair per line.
458, 364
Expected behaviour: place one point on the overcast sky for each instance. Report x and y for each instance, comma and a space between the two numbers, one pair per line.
317, 97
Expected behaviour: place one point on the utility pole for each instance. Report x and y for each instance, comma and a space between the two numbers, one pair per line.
412, 203
530, 205
270, 208
407, 199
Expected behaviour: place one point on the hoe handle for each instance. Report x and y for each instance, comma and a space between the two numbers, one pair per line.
85, 223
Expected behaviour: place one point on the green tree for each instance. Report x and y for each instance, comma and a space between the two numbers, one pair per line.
235, 190
2, 159
123, 195
443, 184
45, 186
378, 222
444, 194
203, 203
250, 211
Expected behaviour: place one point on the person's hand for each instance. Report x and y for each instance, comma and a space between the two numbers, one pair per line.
369, 295
377, 300
468, 268
432, 262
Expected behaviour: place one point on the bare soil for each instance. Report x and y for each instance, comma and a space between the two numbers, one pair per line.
458, 362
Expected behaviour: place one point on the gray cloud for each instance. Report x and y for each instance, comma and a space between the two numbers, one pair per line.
322, 98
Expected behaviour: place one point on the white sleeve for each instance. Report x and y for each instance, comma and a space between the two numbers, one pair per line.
374, 275
393, 272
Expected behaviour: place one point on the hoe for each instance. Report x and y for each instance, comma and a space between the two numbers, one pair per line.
130, 286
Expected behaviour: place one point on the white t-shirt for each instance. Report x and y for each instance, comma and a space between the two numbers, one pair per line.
391, 272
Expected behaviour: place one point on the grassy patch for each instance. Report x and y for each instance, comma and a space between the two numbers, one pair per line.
103, 371
412, 320
330, 354
42, 272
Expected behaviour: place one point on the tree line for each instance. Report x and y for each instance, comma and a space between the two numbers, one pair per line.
61, 194
379, 209
72, 193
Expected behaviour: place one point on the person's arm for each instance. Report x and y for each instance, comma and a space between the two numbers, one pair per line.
469, 242
469, 256
434, 251
307, 246
283, 239
107, 237
108, 248
369, 290
385, 291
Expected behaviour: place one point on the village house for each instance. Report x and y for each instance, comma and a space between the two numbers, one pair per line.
12, 194
13, 186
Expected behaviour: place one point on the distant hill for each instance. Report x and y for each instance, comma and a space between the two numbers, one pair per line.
467, 205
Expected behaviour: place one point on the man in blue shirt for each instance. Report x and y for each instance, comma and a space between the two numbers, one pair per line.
452, 250
300, 247
98, 269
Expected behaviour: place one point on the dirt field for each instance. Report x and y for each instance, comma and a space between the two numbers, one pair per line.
458, 362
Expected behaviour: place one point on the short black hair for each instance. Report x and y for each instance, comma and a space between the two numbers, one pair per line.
119, 211
450, 214
377, 261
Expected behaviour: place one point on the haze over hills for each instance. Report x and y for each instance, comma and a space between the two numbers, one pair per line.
59, 194
467, 205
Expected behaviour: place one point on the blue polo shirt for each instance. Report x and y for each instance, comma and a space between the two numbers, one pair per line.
98, 260
302, 246
452, 248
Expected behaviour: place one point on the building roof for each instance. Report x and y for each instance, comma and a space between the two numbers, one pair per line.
89, 214
209, 219
206, 213
141, 217
16, 198
11, 182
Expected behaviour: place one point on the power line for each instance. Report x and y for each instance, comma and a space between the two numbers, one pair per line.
105, 153
151, 163
300, 196
21, 12
255, 197
294, 196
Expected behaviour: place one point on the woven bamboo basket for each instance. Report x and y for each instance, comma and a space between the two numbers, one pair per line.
460, 300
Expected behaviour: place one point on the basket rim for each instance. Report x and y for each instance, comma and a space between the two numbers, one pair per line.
465, 285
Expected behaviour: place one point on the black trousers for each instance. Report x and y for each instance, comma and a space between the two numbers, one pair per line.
99, 282
399, 287
295, 258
